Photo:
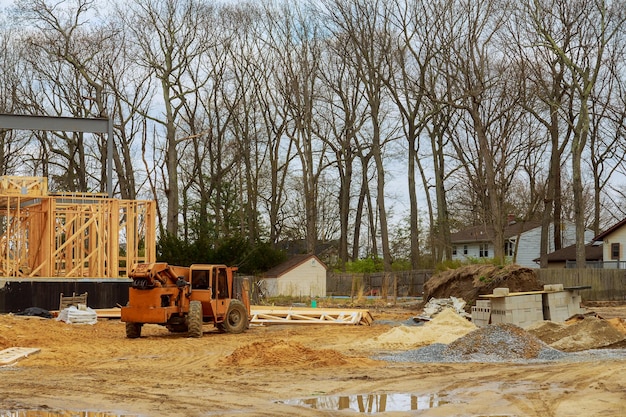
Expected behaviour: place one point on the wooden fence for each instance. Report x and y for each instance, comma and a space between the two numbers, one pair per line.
393, 284
606, 284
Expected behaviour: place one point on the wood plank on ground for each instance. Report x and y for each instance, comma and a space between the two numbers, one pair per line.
303, 315
513, 294
109, 313
11, 355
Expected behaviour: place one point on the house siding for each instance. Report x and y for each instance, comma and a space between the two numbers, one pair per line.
529, 245
306, 280
618, 236
473, 251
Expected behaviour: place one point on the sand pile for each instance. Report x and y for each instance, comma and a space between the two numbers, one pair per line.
470, 281
284, 354
589, 333
445, 327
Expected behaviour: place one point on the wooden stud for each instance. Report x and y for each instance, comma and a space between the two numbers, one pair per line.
71, 234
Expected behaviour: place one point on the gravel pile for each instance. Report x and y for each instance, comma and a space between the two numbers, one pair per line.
493, 343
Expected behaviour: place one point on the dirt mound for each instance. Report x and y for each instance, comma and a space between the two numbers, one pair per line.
618, 323
468, 282
284, 354
502, 341
445, 327
590, 333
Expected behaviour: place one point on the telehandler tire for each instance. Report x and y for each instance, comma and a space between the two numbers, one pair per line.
236, 320
133, 330
194, 319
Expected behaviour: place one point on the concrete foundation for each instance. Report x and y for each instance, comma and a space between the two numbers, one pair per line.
16, 295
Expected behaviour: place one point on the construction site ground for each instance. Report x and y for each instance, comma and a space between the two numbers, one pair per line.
278, 370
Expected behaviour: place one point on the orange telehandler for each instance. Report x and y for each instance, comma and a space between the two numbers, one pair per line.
184, 298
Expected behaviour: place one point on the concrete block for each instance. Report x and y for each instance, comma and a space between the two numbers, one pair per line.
555, 299
553, 287
501, 291
557, 314
480, 316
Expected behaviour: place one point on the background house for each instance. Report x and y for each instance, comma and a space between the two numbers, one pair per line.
564, 257
522, 241
606, 251
613, 241
299, 276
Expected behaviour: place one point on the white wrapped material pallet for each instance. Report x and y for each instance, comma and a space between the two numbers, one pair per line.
78, 315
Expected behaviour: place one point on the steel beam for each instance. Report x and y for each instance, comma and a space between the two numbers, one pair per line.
66, 124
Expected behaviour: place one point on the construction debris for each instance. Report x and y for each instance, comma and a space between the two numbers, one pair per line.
435, 305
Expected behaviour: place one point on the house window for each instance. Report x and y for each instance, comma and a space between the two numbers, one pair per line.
614, 250
464, 249
509, 248
483, 251
454, 250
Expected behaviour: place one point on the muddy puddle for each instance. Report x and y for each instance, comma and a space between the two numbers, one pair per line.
372, 403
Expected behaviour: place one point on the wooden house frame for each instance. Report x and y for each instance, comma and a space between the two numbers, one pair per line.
71, 235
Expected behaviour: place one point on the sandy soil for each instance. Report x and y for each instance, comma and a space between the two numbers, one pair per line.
258, 373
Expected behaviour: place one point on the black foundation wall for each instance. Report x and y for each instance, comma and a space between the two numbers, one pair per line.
16, 296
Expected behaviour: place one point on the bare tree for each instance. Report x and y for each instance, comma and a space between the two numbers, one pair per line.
70, 56
242, 102
606, 133
12, 143
345, 117
481, 78
547, 98
276, 152
365, 26
594, 27
170, 35
299, 44
409, 67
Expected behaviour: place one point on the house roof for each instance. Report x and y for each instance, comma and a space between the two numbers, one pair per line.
290, 264
592, 253
482, 233
610, 230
